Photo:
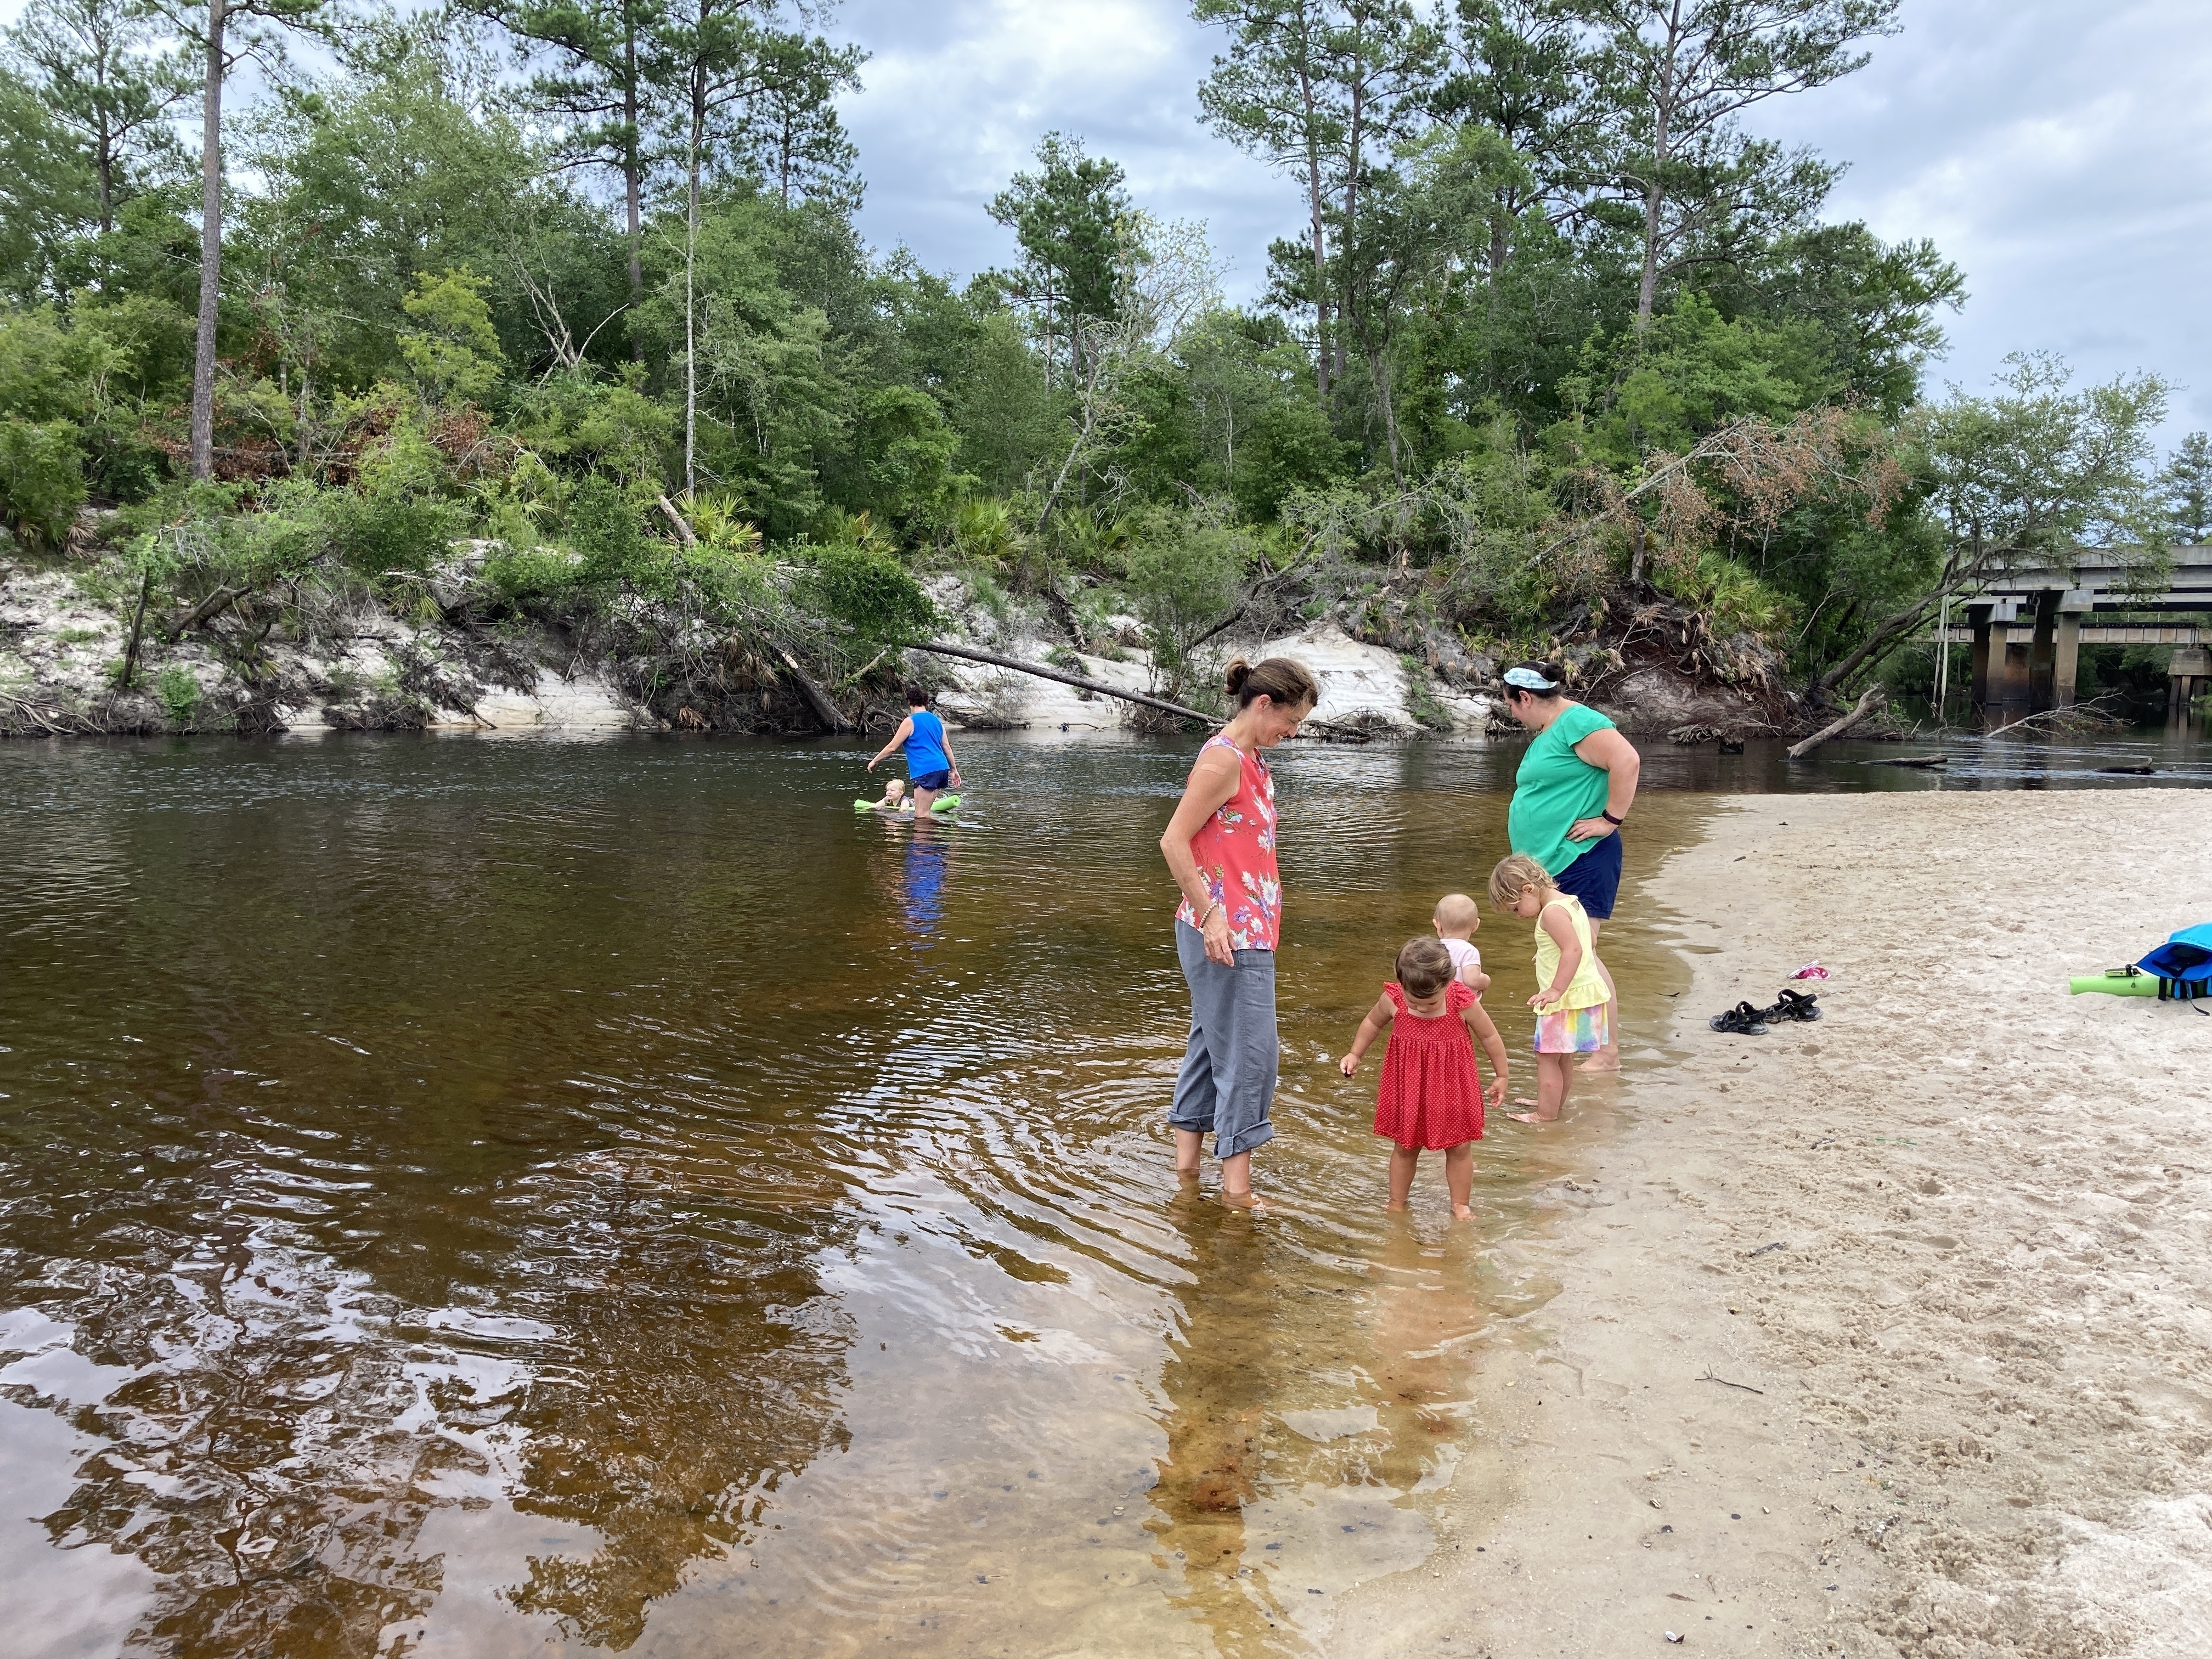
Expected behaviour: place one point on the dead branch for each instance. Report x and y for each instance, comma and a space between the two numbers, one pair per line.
2055, 716
1859, 711
816, 699
1075, 680
683, 527
138, 629
205, 611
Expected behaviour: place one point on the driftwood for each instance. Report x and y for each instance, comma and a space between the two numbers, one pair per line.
1923, 761
1075, 680
1858, 712
816, 699
2085, 712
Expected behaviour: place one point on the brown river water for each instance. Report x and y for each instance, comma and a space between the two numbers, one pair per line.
477, 1197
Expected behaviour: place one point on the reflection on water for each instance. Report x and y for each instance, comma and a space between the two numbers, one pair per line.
461, 1197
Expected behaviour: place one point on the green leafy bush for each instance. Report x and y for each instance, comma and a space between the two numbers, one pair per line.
870, 591
1184, 568
606, 527
41, 478
178, 694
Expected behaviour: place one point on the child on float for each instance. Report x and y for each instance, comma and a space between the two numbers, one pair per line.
1430, 1097
1572, 1005
930, 765
1456, 920
895, 798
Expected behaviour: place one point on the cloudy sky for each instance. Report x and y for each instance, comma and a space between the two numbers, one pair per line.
2060, 151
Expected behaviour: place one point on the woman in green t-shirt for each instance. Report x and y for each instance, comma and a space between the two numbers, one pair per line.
1573, 791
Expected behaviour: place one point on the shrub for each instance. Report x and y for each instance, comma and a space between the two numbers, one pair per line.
605, 526
1184, 569
41, 478
532, 572
871, 593
178, 694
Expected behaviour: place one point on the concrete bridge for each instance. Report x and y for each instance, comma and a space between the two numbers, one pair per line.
2029, 624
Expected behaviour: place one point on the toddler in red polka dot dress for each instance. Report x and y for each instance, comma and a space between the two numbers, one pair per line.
1431, 1097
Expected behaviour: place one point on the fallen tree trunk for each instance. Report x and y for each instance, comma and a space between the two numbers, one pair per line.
682, 525
1075, 680
1858, 712
205, 611
816, 699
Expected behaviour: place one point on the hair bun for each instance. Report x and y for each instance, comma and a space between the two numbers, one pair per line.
1236, 673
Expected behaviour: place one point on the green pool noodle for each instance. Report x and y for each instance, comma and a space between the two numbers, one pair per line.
2118, 985
943, 804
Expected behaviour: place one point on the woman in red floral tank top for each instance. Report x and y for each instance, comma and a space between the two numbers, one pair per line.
1220, 848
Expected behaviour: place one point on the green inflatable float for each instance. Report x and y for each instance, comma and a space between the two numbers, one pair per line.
943, 804
2120, 982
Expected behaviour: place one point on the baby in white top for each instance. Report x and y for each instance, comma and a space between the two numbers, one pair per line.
1456, 918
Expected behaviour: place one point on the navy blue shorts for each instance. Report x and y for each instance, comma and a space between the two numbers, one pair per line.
1595, 877
934, 782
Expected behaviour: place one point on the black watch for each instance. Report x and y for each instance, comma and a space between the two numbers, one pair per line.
1609, 819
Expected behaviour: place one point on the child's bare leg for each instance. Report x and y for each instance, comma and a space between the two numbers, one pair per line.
1190, 1149
1459, 1178
1236, 1181
1554, 1083
1606, 1058
1403, 1161
1554, 1075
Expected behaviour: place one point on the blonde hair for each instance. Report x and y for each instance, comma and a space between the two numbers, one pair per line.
1515, 875
1425, 967
1456, 911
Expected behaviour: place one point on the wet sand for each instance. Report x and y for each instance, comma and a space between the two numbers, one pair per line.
1882, 1335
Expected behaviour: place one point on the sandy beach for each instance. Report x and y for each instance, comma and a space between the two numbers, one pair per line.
1884, 1334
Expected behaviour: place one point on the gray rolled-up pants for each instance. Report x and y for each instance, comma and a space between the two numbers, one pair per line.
1229, 1071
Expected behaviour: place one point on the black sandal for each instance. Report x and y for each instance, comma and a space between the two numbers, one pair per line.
1794, 1005
1742, 1020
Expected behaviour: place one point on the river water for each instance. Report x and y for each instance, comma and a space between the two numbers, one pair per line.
472, 1196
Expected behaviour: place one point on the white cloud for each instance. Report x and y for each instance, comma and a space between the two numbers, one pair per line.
958, 93
2059, 152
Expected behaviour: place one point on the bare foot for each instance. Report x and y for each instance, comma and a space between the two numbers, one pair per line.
1605, 1060
1394, 1209
1462, 1213
1244, 1201
1532, 1117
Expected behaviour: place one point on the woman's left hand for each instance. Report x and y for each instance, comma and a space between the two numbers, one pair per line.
956, 777
1589, 829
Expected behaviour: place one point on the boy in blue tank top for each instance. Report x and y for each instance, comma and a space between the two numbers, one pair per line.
930, 767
